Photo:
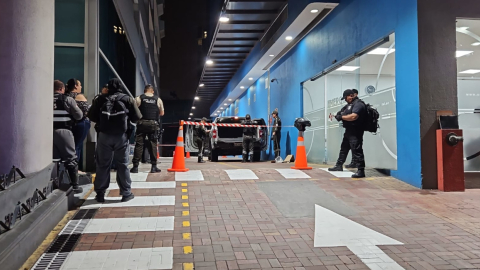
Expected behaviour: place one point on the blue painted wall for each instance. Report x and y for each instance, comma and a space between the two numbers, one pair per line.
351, 27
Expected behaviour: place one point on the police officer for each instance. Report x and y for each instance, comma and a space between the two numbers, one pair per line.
276, 133
353, 162
65, 112
151, 107
353, 121
248, 139
201, 134
113, 134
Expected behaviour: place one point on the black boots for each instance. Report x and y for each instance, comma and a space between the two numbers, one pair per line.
359, 174
128, 198
251, 158
200, 160
134, 169
73, 174
100, 197
352, 165
337, 168
244, 158
155, 169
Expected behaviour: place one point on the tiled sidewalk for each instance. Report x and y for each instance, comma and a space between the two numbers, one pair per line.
223, 222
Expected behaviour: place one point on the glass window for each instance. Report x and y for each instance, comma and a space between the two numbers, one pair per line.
69, 63
70, 21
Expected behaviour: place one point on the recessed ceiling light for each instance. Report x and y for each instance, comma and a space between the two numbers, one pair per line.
250, 79
463, 28
476, 44
215, 114
193, 107
289, 38
229, 99
218, 111
462, 53
197, 98
225, 104
381, 51
189, 118
191, 113
241, 87
347, 68
209, 62
221, 108
314, 11
272, 55
202, 85
470, 71
224, 19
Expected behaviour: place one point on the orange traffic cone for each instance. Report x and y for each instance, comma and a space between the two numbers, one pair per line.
188, 154
301, 160
178, 164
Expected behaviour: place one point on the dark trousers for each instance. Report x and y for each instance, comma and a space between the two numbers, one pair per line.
112, 148
200, 143
276, 144
352, 140
145, 129
247, 144
80, 132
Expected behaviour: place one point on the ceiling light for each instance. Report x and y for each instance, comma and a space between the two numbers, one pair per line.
193, 107
289, 38
347, 68
224, 19
381, 51
470, 71
202, 85
462, 53
191, 113
250, 79
209, 62
463, 28
229, 99
215, 114
225, 104
189, 118
241, 87
476, 44
314, 11
197, 98
221, 108
272, 55
218, 111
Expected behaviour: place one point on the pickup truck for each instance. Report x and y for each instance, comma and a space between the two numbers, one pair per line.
227, 141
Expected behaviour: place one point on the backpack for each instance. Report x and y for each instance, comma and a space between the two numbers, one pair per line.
371, 121
114, 115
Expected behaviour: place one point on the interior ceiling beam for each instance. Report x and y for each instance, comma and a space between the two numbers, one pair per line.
227, 57
257, 1
241, 31
233, 46
230, 52
238, 39
250, 11
249, 22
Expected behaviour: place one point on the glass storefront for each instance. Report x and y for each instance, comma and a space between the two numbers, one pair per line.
373, 75
468, 82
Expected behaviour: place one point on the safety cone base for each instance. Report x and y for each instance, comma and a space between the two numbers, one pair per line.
302, 168
178, 170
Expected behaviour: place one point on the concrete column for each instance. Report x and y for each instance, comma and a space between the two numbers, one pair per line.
26, 84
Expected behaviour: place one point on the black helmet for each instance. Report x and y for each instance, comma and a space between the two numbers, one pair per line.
204, 119
247, 117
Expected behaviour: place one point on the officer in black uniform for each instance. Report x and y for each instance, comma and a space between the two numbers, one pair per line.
353, 162
151, 108
353, 121
65, 112
276, 132
200, 135
248, 139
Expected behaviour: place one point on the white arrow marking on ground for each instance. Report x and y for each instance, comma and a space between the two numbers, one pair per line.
334, 230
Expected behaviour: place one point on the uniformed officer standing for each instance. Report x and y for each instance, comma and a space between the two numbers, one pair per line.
151, 107
248, 139
276, 133
201, 134
353, 162
353, 121
65, 112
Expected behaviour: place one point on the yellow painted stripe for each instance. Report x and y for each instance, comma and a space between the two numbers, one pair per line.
187, 236
185, 204
187, 249
185, 213
184, 190
186, 223
187, 266
229, 165
335, 179
184, 197
184, 184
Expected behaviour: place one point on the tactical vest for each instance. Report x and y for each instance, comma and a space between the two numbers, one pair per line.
357, 124
61, 118
149, 107
248, 131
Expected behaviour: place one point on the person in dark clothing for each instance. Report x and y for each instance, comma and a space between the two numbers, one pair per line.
65, 113
151, 107
112, 114
248, 139
276, 133
200, 135
353, 162
353, 119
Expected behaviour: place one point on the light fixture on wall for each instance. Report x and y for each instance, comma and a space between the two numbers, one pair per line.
115, 29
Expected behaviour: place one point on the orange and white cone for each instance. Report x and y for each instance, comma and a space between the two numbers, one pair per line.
301, 160
188, 154
178, 164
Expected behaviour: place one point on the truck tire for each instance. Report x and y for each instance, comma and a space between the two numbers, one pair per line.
214, 156
256, 156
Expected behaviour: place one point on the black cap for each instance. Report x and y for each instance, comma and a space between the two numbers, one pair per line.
355, 91
204, 119
247, 117
347, 93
